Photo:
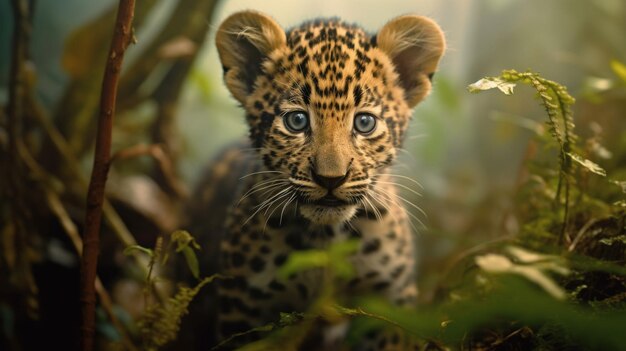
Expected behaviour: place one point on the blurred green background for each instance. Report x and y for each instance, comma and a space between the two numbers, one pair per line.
465, 150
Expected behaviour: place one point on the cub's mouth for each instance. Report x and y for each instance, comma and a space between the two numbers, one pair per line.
329, 201
328, 210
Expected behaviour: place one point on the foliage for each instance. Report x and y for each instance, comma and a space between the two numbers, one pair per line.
557, 103
160, 323
554, 286
292, 328
560, 283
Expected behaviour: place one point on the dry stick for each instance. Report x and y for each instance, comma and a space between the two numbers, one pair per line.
122, 37
56, 206
110, 214
164, 163
60, 143
187, 22
19, 214
75, 112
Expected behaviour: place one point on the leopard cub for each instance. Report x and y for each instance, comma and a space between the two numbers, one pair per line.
327, 106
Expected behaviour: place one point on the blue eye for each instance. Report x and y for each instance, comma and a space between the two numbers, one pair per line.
296, 121
364, 123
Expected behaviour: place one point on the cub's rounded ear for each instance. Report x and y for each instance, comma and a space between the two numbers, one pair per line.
243, 41
414, 44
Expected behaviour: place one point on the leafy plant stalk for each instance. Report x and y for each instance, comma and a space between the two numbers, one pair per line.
556, 101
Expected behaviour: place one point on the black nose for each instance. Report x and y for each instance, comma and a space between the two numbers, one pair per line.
329, 183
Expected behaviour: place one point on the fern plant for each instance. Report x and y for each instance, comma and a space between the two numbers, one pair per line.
160, 323
557, 102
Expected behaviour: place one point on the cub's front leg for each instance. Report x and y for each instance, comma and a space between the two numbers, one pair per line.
252, 294
386, 268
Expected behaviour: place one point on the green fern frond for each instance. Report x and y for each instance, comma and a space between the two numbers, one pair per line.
557, 102
160, 323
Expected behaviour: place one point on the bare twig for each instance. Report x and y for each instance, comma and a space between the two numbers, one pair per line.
122, 37
188, 20
187, 26
13, 186
163, 161
61, 145
581, 232
56, 207
84, 59
69, 159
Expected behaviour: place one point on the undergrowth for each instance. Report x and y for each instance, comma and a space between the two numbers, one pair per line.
161, 320
559, 284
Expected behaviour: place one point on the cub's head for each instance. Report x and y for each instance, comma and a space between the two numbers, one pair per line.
328, 104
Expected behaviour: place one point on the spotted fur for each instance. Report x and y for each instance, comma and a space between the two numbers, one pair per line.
327, 182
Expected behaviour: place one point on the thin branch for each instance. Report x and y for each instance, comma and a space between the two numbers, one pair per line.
61, 145
13, 186
163, 161
187, 25
59, 142
56, 207
84, 58
167, 93
122, 37
189, 20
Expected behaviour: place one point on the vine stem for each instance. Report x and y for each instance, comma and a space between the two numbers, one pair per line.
122, 37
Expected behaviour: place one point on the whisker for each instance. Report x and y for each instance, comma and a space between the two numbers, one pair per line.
408, 202
405, 211
418, 136
423, 226
259, 172
268, 207
385, 204
407, 178
306, 184
275, 208
353, 184
263, 186
262, 205
400, 185
269, 191
349, 223
374, 209
285, 206
372, 200
271, 198
406, 152
268, 182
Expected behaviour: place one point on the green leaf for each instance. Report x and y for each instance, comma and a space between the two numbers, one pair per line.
132, 249
589, 165
339, 253
334, 258
491, 83
303, 260
192, 261
343, 249
183, 239
619, 69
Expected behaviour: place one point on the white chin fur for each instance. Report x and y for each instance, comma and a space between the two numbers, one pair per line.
327, 215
